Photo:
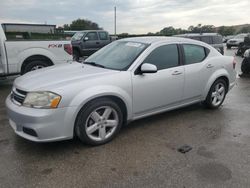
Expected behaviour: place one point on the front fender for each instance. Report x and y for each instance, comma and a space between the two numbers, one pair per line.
34, 51
100, 91
215, 76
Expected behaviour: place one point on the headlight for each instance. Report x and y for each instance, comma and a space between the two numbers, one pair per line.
247, 53
43, 99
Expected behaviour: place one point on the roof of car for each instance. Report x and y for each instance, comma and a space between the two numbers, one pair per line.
151, 40
198, 34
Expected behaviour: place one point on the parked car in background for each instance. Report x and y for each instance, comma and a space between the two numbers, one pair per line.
235, 42
228, 37
243, 46
214, 39
245, 65
88, 42
22, 56
127, 80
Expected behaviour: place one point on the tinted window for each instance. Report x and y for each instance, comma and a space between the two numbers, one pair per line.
164, 57
92, 36
217, 40
195, 38
193, 53
206, 39
103, 36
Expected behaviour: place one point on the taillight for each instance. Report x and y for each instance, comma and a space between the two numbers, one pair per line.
234, 63
68, 49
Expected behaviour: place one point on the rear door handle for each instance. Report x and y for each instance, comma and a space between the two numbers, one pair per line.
210, 66
176, 73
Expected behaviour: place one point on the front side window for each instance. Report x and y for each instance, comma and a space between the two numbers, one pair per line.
193, 53
103, 36
92, 36
164, 57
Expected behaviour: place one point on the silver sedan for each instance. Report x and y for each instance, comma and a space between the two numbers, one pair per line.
124, 81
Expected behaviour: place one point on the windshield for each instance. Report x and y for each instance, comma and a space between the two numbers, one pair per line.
118, 55
78, 36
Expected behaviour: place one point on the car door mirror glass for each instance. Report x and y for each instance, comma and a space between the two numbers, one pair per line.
148, 68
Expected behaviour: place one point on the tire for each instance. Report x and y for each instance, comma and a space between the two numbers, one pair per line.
245, 68
216, 94
34, 65
229, 47
76, 55
93, 127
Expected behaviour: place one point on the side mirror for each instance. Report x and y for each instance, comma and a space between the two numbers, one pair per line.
86, 38
148, 68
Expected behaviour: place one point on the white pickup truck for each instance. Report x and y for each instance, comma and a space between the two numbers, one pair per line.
19, 57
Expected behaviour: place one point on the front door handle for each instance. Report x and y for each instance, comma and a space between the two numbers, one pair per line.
176, 73
210, 66
97, 42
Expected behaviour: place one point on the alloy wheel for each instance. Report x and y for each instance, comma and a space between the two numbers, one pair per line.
218, 94
101, 123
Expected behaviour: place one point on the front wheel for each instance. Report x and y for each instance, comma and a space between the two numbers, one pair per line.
217, 94
99, 122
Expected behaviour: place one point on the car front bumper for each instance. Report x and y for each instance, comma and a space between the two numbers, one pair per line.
41, 125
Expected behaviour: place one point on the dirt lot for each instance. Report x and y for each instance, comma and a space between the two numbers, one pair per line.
145, 153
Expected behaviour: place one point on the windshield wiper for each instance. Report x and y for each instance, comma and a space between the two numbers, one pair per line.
94, 64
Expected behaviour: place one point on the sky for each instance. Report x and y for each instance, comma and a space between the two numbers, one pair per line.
133, 16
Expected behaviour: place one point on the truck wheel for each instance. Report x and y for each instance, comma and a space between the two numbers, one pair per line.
76, 55
99, 122
34, 65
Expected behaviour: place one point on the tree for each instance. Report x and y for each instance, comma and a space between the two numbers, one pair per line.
168, 31
81, 24
245, 29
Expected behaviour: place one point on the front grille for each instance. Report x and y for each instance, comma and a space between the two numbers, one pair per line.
18, 96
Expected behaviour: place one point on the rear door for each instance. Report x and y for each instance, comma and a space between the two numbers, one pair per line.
197, 71
104, 38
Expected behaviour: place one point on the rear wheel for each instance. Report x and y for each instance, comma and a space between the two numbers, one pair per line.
99, 122
34, 65
217, 94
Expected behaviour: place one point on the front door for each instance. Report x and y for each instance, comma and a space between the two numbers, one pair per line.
92, 44
157, 91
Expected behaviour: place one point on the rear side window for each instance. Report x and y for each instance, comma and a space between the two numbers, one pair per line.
164, 57
103, 36
193, 53
217, 40
92, 36
207, 39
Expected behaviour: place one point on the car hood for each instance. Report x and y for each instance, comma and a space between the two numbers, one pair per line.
59, 75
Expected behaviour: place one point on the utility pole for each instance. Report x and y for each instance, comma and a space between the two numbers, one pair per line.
115, 20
